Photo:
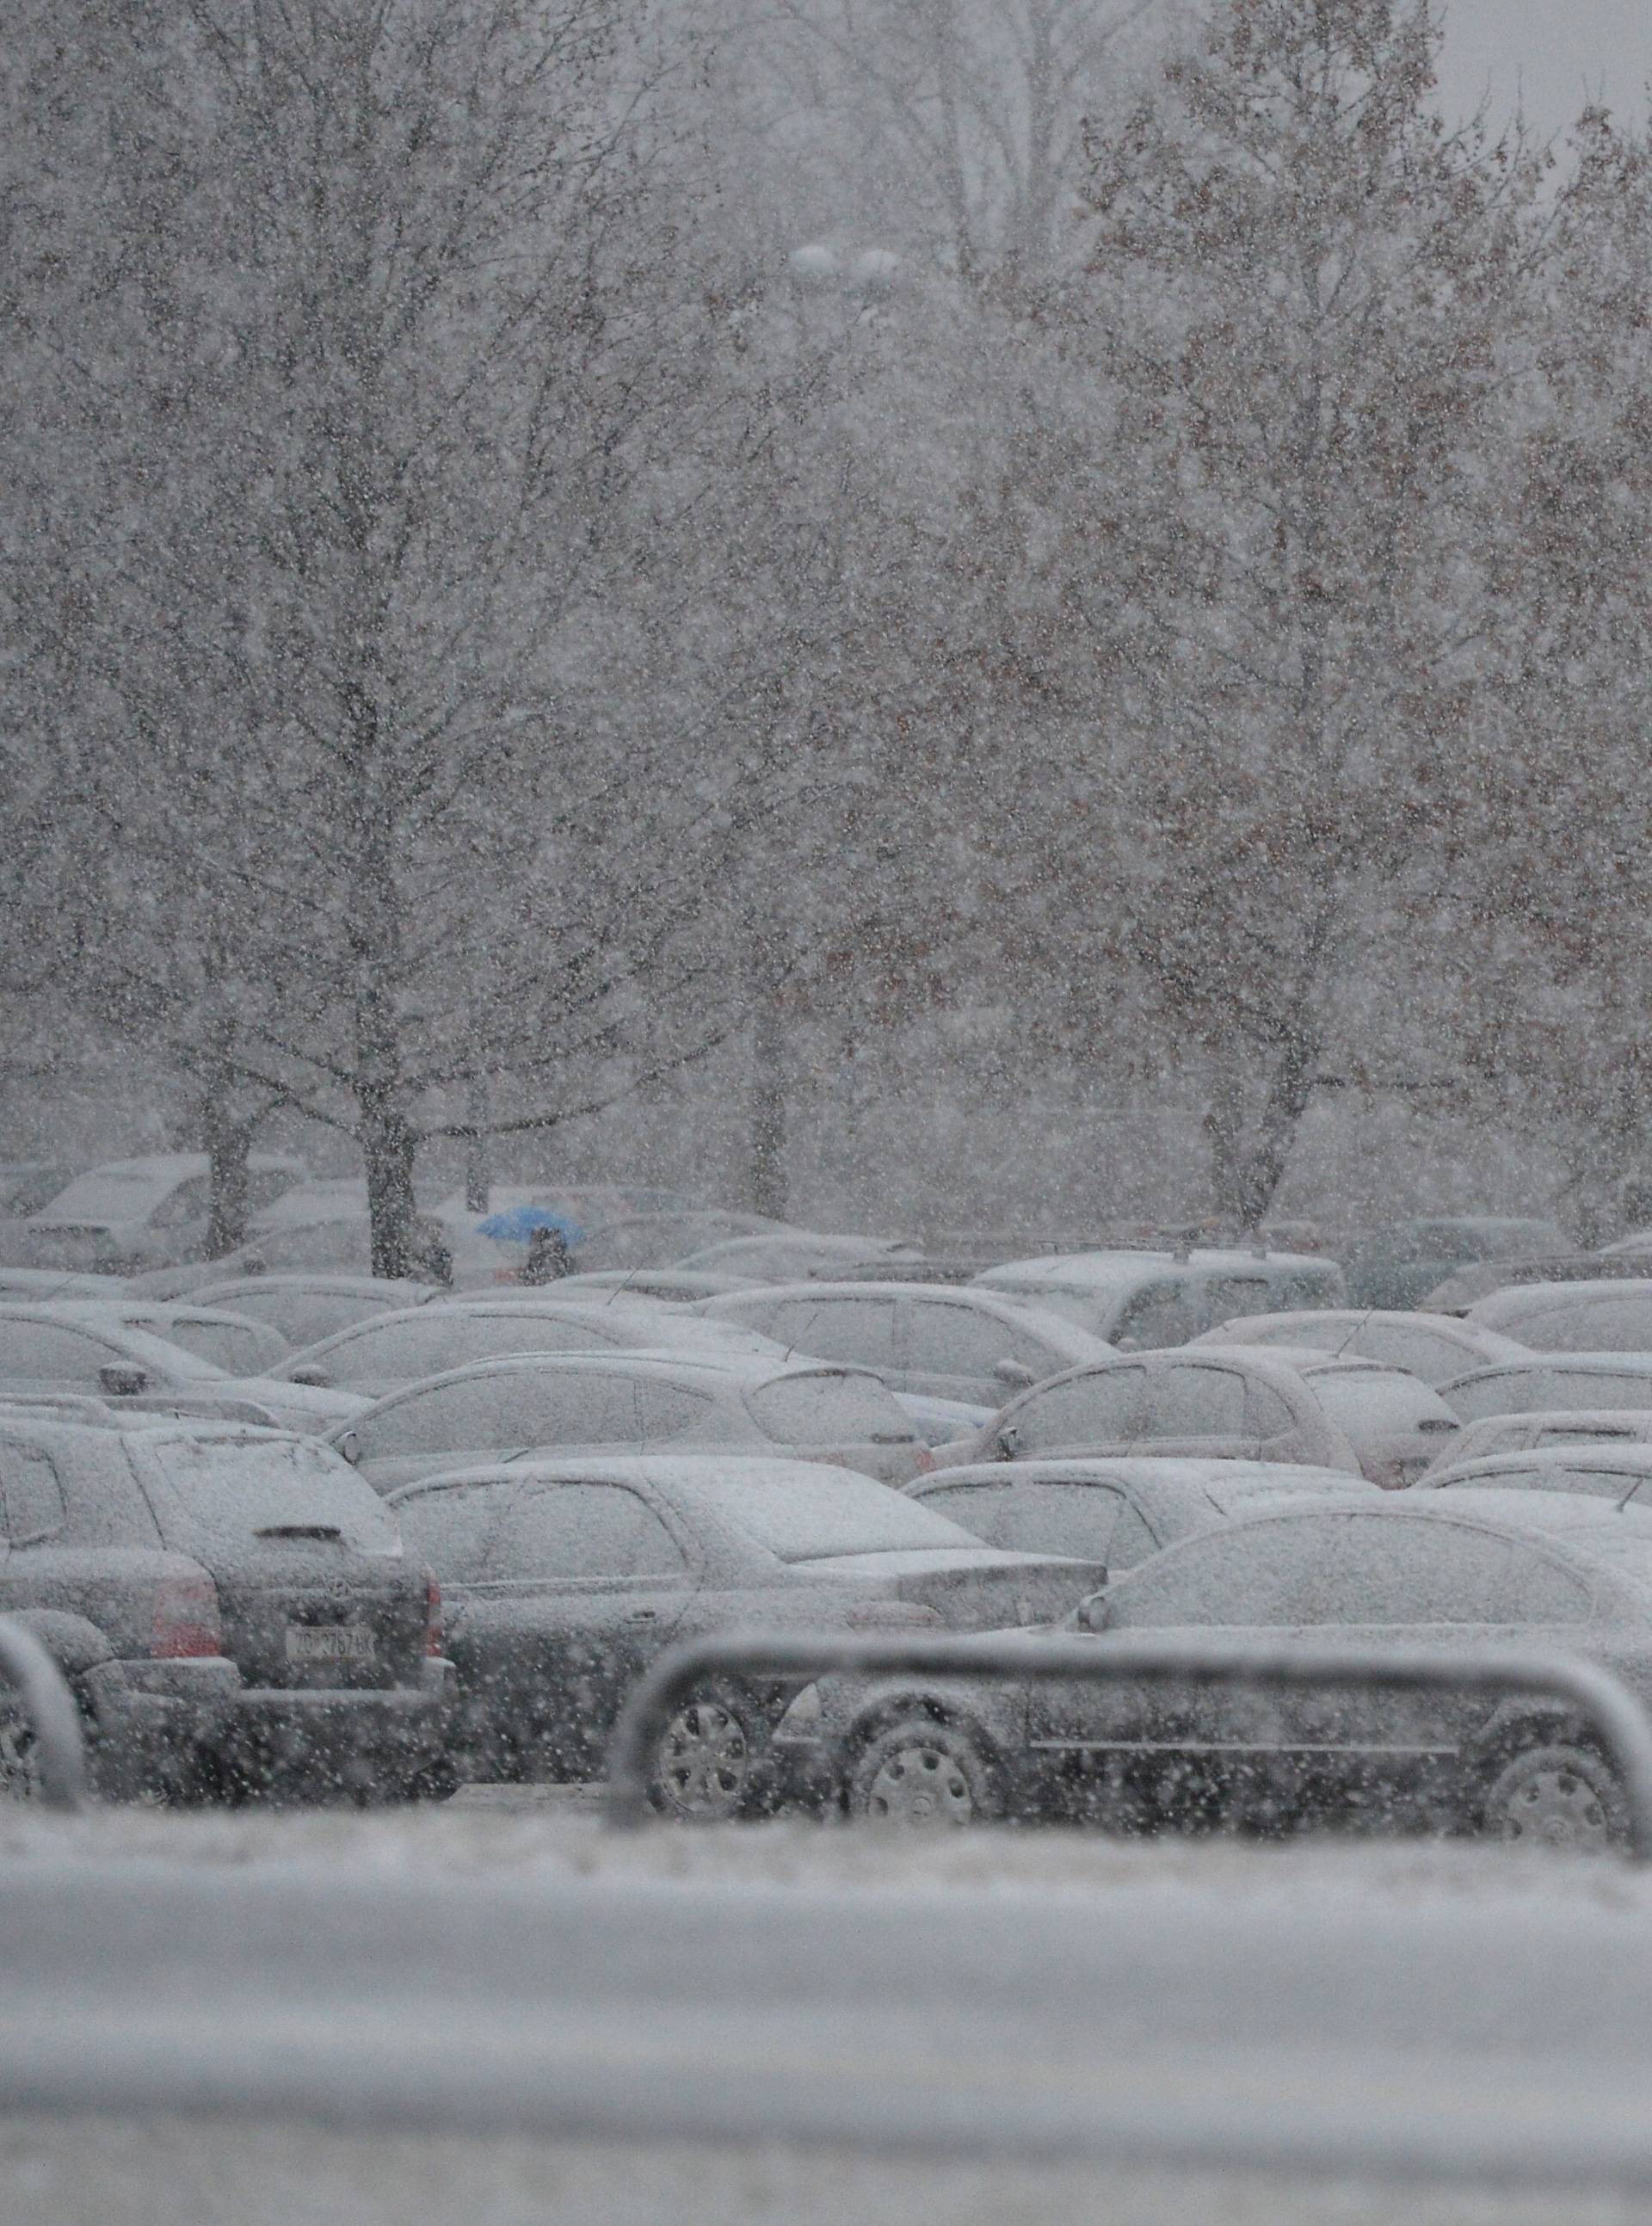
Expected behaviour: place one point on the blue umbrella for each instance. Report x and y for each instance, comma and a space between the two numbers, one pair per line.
518, 1223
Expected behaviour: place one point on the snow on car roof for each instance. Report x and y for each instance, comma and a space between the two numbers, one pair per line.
1087, 1270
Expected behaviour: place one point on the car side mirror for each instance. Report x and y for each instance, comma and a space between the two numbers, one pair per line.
122, 1380
1012, 1373
350, 1447
1008, 1441
1093, 1610
316, 1378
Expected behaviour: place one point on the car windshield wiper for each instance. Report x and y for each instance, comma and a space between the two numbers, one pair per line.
301, 1530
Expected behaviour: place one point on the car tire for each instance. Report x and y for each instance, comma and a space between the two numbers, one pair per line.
705, 1760
1558, 1795
924, 1775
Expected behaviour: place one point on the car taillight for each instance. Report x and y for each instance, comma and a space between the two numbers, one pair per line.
186, 1623
434, 1635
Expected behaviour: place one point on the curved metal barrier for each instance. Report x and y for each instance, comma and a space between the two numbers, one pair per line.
1603, 1700
60, 1743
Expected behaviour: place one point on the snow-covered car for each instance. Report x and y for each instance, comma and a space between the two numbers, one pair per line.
1612, 1315
1620, 1473
303, 1309
947, 1341
1436, 1347
1547, 1383
788, 1256
1114, 1511
375, 1358
1400, 1266
1236, 1406
48, 1348
1395, 1423
131, 1214
563, 1581
633, 1403
235, 1343
1138, 1301
1563, 1570
1576, 1426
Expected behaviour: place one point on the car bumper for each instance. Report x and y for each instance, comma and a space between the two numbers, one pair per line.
155, 1724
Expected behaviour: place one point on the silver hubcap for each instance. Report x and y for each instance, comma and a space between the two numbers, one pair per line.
19, 1765
704, 1761
920, 1785
1558, 1808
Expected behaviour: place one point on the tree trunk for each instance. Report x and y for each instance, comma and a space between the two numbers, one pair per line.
767, 1174
225, 1139
478, 1148
389, 1147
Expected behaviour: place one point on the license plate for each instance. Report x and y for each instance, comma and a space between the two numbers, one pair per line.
329, 1642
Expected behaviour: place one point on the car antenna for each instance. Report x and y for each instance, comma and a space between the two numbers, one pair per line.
621, 1289
802, 1333
1361, 1324
1629, 1494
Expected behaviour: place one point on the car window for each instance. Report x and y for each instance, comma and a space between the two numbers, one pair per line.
829, 1410
239, 1348
1228, 1296
49, 1353
1508, 1479
32, 1495
667, 1411
449, 1528
441, 1338
579, 1533
1308, 1288
1267, 1412
1600, 1483
1080, 1519
215, 1497
1569, 1386
1420, 1351
1109, 1407
188, 1202
1162, 1314
1614, 1324
1399, 1572
1255, 1574
1503, 1391
987, 1510
860, 1330
961, 1340
1195, 1402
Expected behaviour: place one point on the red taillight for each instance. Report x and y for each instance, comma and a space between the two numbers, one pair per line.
186, 1620
434, 1634
925, 1461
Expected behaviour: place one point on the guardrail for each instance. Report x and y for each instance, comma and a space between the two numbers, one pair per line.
1607, 1705
60, 1743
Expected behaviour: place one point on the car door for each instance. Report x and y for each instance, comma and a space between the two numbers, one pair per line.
948, 1349
1102, 1409
1198, 1407
583, 1584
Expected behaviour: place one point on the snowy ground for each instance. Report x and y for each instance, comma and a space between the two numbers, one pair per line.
537, 1878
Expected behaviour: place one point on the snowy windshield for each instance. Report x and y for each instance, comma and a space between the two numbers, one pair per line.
217, 1495
813, 1516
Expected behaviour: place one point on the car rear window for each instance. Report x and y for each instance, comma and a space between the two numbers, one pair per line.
829, 1410
1370, 1398
812, 1519
217, 1495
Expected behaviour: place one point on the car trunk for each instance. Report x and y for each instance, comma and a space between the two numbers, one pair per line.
306, 1611
967, 1590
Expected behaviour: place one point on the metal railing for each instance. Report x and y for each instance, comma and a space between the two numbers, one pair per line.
51, 1715
1605, 1703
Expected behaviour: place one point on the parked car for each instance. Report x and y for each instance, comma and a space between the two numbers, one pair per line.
1138, 1300
1611, 1315
1621, 1473
52, 1348
1582, 1379
1115, 1511
1436, 1347
375, 1358
1238, 1407
1514, 1434
133, 1214
303, 1309
1544, 1569
951, 1343
57, 1283
1399, 1266
786, 1256
233, 1342
232, 1608
657, 1240
563, 1581
1463, 1289
633, 1403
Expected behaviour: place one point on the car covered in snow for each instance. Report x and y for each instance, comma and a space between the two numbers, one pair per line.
133, 1214
1135, 1300
1436, 1347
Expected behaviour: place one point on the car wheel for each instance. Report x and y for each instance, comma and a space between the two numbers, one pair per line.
1558, 1796
19, 1760
703, 1763
923, 1774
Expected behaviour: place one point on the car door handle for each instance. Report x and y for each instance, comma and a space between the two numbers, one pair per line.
644, 1615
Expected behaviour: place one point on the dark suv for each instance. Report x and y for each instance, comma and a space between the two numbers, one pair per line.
231, 1607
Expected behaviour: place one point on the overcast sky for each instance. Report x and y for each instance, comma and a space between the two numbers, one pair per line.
1555, 54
